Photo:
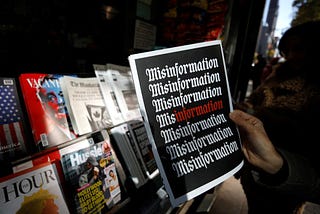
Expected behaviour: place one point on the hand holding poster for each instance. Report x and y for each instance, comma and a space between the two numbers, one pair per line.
184, 97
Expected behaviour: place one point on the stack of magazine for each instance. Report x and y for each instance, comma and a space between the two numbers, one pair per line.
134, 150
117, 87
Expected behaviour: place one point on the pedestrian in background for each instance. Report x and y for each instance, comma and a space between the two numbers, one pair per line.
288, 104
257, 69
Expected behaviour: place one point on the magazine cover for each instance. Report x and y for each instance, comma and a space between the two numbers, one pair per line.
49, 156
112, 180
47, 113
185, 101
108, 94
85, 104
13, 140
90, 174
36, 190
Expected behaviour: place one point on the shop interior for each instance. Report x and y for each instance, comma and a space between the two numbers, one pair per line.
70, 36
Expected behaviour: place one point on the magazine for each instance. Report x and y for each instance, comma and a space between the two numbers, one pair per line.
184, 96
108, 93
142, 147
90, 173
85, 104
35, 190
129, 155
48, 116
13, 140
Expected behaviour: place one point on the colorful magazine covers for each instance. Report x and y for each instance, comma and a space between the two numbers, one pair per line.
90, 174
35, 190
45, 107
13, 140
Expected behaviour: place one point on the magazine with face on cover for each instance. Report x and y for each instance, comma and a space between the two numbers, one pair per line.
47, 113
86, 165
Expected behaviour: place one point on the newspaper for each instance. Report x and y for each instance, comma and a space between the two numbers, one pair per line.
108, 93
85, 104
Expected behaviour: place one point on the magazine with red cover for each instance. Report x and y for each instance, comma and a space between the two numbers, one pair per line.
13, 140
47, 113
35, 190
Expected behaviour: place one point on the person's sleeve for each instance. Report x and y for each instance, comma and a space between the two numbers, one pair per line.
297, 176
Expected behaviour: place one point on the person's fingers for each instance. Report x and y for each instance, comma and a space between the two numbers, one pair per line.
240, 118
244, 119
